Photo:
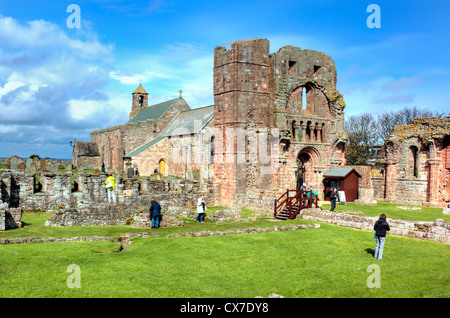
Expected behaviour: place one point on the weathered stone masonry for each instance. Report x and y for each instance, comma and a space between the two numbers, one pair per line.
87, 197
438, 231
290, 94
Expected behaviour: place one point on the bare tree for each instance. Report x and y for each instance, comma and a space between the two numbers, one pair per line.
362, 134
387, 121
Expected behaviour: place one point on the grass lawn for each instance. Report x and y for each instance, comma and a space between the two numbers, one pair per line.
424, 214
330, 261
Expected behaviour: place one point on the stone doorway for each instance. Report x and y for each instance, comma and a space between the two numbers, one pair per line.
162, 167
307, 160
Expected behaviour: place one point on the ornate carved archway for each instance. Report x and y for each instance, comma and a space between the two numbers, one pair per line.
308, 158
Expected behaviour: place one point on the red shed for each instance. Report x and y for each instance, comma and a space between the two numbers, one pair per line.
343, 179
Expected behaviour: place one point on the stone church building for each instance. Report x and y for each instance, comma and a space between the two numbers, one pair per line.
277, 122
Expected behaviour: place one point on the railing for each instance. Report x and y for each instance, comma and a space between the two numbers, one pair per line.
295, 203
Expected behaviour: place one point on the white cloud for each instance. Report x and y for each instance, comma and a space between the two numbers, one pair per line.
52, 83
131, 79
163, 73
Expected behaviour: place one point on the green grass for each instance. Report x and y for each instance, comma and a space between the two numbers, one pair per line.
330, 261
326, 262
424, 214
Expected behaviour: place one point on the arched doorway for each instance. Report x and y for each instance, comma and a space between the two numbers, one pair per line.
307, 159
162, 167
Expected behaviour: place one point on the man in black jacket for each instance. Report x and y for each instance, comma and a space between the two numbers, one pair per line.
333, 197
380, 227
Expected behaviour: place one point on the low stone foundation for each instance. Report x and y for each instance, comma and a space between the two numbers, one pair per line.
109, 214
142, 220
438, 231
10, 218
126, 239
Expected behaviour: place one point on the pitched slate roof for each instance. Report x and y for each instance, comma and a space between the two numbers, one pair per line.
153, 112
185, 123
339, 172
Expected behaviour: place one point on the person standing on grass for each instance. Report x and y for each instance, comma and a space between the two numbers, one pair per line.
111, 188
201, 208
380, 227
333, 197
155, 214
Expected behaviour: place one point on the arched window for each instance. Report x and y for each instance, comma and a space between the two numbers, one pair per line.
162, 167
294, 135
308, 131
211, 154
304, 106
414, 161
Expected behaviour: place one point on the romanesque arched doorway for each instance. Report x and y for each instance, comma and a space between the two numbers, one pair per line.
307, 160
162, 167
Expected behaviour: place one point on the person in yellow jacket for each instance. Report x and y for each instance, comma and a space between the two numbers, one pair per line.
111, 189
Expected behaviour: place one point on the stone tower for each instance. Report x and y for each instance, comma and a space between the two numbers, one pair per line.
278, 119
241, 99
140, 100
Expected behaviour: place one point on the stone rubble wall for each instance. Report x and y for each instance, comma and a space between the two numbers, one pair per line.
106, 214
438, 231
10, 218
48, 191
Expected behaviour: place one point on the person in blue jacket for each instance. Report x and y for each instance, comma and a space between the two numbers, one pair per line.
380, 228
155, 214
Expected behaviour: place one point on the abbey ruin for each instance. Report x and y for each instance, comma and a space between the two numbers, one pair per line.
277, 122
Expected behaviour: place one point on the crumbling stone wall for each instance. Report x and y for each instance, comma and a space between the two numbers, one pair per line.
10, 218
258, 93
438, 231
56, 192
417, 163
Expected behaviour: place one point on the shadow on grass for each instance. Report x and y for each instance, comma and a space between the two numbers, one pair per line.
370, 251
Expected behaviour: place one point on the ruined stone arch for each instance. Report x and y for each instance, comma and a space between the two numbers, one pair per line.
309, 158
335, 100
338, 153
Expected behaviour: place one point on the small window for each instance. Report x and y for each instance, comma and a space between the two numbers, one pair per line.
291, 65
316, 69
414, 162
304, 106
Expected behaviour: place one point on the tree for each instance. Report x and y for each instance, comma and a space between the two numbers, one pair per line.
364, 131
362, 134
35, 156
388, 120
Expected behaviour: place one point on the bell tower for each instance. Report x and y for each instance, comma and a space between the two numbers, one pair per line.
140, 100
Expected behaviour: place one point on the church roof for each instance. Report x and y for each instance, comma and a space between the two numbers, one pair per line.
185, 123
153, 112
140, 90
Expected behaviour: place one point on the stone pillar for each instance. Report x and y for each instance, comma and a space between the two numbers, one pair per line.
319, 133
295, 132
303, 133
390, 175
433, 179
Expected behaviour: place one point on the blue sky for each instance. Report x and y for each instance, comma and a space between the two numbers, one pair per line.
59, 83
